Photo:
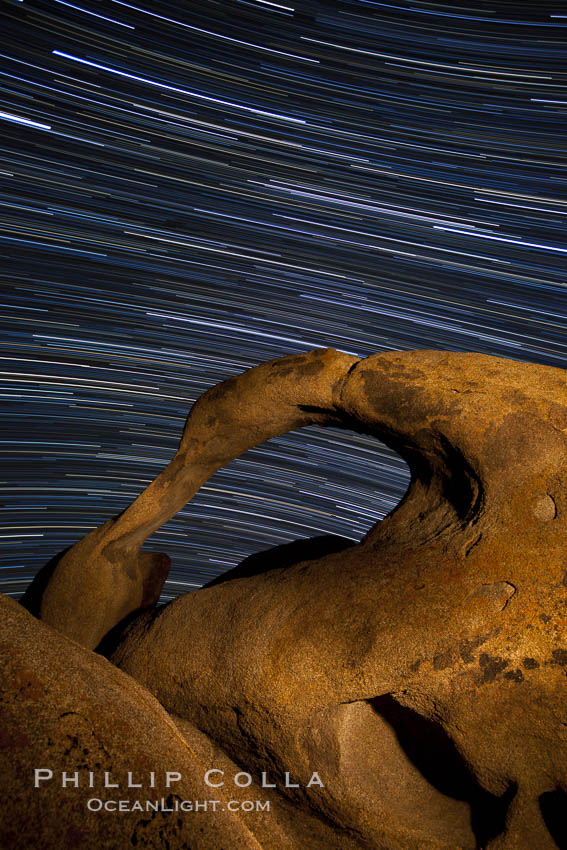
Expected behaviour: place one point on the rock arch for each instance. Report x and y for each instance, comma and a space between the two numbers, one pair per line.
453, 607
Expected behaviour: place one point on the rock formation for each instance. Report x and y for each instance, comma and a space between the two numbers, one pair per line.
65, 709
420, 673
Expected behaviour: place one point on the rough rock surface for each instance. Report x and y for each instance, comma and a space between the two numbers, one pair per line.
421, 672
64, 708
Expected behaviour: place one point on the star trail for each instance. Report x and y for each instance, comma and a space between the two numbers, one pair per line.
189, 189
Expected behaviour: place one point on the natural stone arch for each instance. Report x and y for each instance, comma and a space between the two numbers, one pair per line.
105, 576
434, 408
453, 606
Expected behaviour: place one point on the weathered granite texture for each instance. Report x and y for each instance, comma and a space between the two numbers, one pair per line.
422, 672
64, 708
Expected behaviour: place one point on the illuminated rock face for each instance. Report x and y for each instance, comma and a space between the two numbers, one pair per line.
420, 673
67, 712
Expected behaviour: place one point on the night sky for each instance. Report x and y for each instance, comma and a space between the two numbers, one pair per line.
189, 189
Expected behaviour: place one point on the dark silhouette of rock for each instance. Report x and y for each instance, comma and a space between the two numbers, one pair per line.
422, 672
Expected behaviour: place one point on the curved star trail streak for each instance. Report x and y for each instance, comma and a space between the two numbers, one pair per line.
192, 188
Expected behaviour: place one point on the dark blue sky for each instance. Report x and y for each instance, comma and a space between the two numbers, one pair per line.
191, 188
